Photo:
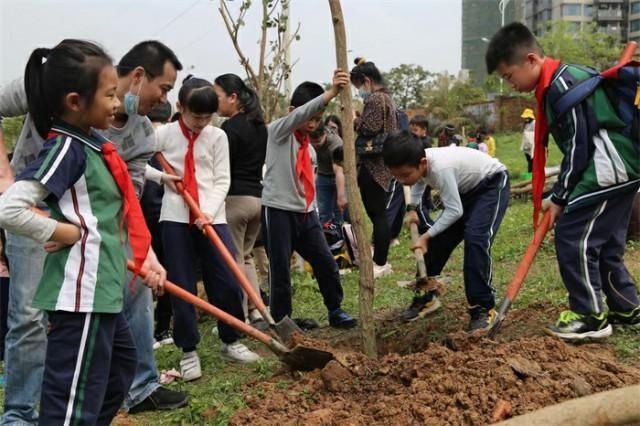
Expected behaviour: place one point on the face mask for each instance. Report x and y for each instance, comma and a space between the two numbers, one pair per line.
132, 102
364, 93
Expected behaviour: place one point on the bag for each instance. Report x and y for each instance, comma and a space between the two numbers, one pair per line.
351, 242
622, 86
333, 235
366, 146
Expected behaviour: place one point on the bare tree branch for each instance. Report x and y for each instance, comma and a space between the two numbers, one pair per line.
233, 27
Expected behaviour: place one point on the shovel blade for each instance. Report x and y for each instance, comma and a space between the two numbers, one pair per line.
304, 358
286, 328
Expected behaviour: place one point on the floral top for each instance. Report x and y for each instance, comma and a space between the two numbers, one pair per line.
378, 115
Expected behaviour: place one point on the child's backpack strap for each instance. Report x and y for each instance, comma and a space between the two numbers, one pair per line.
577, 93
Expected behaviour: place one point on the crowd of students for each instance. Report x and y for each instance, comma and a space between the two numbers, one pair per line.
88, 194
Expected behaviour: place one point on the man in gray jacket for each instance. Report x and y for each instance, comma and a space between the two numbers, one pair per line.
145, 75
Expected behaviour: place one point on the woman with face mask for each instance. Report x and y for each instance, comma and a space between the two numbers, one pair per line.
374, 179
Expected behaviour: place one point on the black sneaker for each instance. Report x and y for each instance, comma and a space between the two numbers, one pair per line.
341, 319
161, 399
629, 319
421, 305
306, 324
481, 318
574, 326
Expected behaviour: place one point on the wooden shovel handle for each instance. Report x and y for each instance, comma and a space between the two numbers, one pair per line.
419, 255
217, 313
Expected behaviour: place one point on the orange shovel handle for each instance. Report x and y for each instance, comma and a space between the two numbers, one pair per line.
221, 315
215, 239
629, 51
529, 256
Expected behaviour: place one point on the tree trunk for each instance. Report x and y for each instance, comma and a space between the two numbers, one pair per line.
356, 212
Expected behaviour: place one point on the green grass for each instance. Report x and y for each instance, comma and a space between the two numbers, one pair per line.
508, 152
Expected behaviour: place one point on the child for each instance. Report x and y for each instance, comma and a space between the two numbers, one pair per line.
91, 356
474, 189
200, 153
591, 202
419, 127
288, 219
528, 136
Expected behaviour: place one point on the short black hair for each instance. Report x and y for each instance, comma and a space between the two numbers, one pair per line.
402, 149
318, 132
197, 95
250, 104
150, 55
420, 120
161, 113
510, 45
305, 92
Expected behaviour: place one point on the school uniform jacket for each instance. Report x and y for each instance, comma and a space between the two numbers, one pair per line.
597, 166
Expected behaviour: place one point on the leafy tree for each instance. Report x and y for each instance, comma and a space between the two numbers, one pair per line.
445, 96
407, 84
586, 46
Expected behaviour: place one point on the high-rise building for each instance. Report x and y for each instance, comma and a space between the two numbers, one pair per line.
480, 20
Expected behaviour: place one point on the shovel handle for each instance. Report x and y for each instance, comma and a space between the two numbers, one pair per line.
217, 313
218, 244
525, 264
418, 254
629, 51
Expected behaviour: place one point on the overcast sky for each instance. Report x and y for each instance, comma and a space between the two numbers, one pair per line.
388, 32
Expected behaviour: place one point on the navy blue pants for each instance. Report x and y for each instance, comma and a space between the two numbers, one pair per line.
374, 200
484, 208
590, 243
395, 208
89, 367
285, 231
184, 247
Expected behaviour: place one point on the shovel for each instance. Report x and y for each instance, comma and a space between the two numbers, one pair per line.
521, 273
421, 279
301, 357
285, 328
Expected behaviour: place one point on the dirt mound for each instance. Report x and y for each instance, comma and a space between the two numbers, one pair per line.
463, 381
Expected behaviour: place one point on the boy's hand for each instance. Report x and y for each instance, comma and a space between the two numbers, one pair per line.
156, 275
340, 80
422, 243
555, 210
202, 221
411, 217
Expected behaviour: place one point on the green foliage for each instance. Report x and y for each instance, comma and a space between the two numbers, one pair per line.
407, 84
589, 46
445, 97
11, 127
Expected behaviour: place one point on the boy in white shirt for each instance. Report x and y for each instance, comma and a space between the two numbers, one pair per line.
474, 189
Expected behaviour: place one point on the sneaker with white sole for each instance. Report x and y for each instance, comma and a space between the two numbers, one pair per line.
163, 338
380, 271
574, 326
190, 366
237, 352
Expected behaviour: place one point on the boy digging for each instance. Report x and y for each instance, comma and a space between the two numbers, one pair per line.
474, 189
591, 202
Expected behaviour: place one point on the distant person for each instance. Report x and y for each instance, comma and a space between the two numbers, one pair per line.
419, 127
374, 179
448, 136
528, 136
333, 123
590, 204
325, 142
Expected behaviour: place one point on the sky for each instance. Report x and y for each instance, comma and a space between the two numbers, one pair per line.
387, 32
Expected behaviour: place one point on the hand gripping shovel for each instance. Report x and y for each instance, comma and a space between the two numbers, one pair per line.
521, 273
299, 358
285, 328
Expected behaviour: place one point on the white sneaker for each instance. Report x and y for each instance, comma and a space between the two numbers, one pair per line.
190, 366
381, 271
254, 315
394, 243
237, 352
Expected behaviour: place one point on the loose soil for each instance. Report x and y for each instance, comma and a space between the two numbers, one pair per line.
425, 378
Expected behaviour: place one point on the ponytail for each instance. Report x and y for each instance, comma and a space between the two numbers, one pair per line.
50, 74
247, 97
39, 107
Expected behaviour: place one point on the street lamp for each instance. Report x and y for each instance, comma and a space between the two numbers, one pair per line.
502, 5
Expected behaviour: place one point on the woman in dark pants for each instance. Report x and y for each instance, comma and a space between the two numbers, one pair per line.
374, 179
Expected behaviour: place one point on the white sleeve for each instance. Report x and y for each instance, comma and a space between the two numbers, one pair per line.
450, 197
221, 175
17, 216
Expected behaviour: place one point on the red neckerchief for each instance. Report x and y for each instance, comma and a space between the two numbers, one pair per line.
189, 179
139, 236
541, 137
304, 169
